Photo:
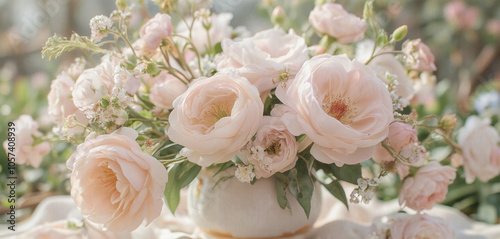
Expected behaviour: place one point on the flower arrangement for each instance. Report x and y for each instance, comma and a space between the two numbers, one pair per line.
319, 103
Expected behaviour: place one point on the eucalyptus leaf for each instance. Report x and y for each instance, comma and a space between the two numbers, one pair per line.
336, 189
301, 185
180, 175
347, 173
487, 213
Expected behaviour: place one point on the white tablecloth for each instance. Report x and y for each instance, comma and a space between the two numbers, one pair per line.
52, 214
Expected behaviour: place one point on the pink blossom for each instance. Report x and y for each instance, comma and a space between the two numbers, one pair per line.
341, 105
273, 150
419, 56
156, 29
479, 143
24, 149
428, 187
215, 118
332, 19
114, 183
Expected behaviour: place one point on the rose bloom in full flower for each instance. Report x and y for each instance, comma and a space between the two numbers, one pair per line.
263, 57
155, 30
481, 154
341, 105
215, 118
24, 150
114, 183
334, 20
419, 56
274, 149
428, 187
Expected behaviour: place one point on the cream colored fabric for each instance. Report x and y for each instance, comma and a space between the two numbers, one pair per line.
51, 216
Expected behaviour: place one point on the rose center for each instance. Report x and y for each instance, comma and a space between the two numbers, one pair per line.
274, 148
216, 111
339, 108
107, 177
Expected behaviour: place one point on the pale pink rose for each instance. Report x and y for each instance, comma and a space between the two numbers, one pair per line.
263, 57
273, 150
386, 64
61, 105
419, 56
219, 29
114, 183
24, 150
341, 105
165, 90
420, 226
156, 29
93, 84
428, 187
334, 20
460, 15
215, 118
401, 136
479, 143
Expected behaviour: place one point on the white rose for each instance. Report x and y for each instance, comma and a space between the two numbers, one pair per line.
93, 84
479, 142
384, 64
215, 118
219, 29
61, 105
263, 57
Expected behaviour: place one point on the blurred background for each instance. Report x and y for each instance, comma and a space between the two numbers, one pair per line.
463, 35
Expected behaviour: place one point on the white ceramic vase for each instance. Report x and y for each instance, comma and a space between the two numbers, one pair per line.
230, 208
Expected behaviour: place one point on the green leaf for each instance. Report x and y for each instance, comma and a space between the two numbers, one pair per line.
179, 176
347, 173
337, 191
487, 213
218, 48
382, 38
301, 185
281, 185
223, 167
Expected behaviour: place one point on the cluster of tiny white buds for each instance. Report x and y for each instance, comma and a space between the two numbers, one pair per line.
365, 191
117, 15
260, 155
208, 67
244, 173
99, 25
414, 154
398, 102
